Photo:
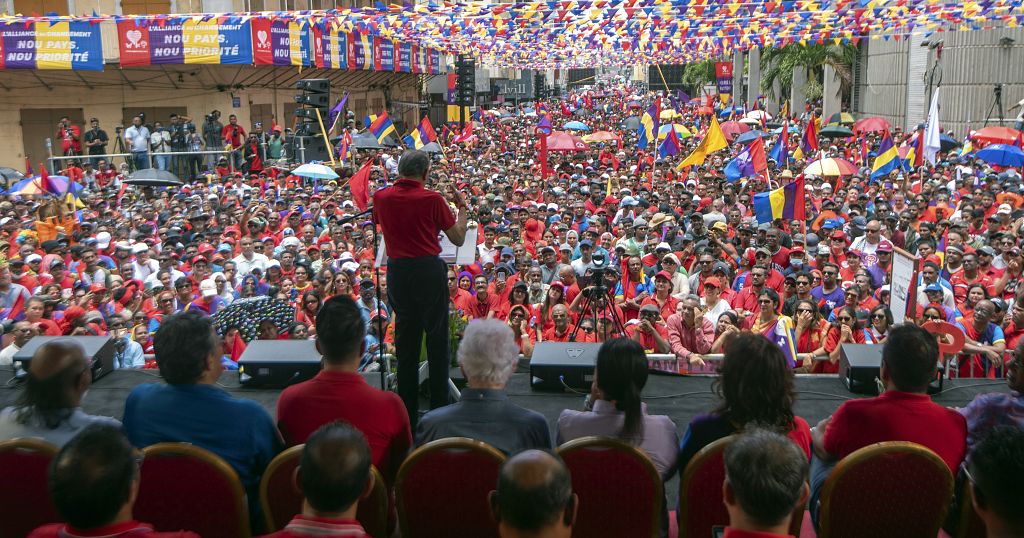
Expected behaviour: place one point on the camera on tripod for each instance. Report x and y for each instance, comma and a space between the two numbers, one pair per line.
600, 267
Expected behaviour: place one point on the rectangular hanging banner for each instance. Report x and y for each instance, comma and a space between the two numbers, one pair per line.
57, 45
280, 42
185, 40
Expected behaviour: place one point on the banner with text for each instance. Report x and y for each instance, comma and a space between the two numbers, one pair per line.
184, 40
45, 45
723, 76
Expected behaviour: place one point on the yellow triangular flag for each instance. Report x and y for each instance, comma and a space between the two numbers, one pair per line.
713, 141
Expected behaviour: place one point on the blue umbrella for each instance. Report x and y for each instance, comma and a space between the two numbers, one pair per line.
1002, 155
576, 126
729, 110
749, 136
792, 129
946, 143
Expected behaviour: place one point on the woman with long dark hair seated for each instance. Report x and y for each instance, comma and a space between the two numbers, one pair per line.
755, 386
619, 378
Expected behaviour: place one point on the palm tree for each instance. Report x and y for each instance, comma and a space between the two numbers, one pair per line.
697, 74
780, 63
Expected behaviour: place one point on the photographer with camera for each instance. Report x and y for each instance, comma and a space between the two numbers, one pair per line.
127, 352
233, 136
178, 130
212, 136
69, 136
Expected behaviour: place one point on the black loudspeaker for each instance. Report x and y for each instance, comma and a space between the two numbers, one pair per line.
313, 149
278, 363
556, 365
861, 364
98, 349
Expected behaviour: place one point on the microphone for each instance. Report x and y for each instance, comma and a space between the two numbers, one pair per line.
350, 218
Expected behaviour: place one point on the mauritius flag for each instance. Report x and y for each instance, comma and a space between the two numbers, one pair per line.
786, 202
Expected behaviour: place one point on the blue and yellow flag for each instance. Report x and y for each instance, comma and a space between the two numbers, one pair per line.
648, 131
381, 127
887, 160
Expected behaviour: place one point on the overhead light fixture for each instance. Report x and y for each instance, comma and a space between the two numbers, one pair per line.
1006, 41
926, 43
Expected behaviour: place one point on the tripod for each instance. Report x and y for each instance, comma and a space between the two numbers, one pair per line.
600, 305
997, 104
119, 148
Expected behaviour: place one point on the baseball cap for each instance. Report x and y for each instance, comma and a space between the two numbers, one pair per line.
663, 246
884, 246
713, 282
663, 274
933, 287
1004, 209
650, 308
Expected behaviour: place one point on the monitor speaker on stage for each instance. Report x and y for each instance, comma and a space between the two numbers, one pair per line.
860, 367
278, 363
99, 350
557, 365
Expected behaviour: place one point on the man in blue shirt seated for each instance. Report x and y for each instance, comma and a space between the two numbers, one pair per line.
190, 408
488, 355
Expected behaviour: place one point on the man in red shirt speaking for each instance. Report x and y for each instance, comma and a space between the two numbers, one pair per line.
411, 217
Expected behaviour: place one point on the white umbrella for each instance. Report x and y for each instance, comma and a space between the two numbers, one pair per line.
759, 115
750, 121
315, 170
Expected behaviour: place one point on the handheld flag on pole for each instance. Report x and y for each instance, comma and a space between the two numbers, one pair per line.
421, 135
360, 186
887, 159
809, 142
648, 131
749, 162
335, 113
381, 127
713, 141
932, 137
786, 202
780, 150
669, 146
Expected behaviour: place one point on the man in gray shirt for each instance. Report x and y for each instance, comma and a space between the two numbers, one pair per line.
487, 355
50, 409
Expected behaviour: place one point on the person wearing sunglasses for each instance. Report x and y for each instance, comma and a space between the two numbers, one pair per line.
845, 330
983, 352
881, 321
810, 330
525, 336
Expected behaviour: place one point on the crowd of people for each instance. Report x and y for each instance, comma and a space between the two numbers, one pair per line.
619, 247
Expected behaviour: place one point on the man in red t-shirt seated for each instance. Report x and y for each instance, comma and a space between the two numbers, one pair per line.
333, 475
339, 392
651, 332
94, 483
904, 412
562, 329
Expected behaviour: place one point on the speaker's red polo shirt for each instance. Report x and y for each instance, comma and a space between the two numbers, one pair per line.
411, 216
898, 416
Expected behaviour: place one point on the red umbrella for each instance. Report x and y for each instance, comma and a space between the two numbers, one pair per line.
559, 141
603, 136
867, 125
705, 110
996, 135
732, 129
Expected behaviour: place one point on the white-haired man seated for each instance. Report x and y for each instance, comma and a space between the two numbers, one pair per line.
488, 356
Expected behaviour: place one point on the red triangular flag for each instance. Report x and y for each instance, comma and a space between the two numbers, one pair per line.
360, 186
757, 155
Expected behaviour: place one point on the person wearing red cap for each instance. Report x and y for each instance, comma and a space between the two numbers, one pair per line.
662, 297
712, 302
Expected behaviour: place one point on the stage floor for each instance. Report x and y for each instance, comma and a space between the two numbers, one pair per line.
681, 398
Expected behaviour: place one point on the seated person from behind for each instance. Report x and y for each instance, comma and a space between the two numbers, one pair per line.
904, 412
751, 360
333, 475
339, 392
995, 471
50, 406
619, 378
765, 481
487, 355
190, 408
534, 498
94, 481
993, 409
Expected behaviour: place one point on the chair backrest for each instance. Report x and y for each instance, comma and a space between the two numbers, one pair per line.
185, 487
969, 523
701, 507
442, 488
619, 489
894, 488
281, 500
25, 501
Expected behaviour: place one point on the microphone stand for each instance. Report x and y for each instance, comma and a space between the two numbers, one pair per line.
376, 271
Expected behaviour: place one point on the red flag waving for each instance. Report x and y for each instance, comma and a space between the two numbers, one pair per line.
360, 186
